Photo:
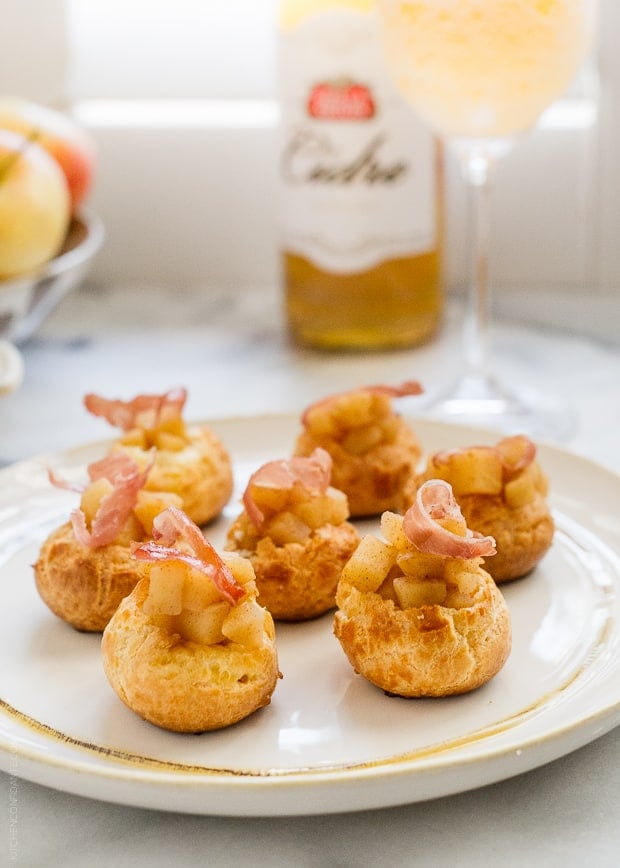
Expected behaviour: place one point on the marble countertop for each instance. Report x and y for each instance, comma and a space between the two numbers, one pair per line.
229, 350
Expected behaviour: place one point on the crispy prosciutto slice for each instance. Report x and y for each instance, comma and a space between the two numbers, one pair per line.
408, 387
434, 502
172, 526
115, 508
516, 453
143, 411
311, 473
58, 482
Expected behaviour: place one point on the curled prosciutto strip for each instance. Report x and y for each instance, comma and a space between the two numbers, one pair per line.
66, 484
409, 387
435, 501
143, 411
312, 473
115, 508
516, 453
173, 525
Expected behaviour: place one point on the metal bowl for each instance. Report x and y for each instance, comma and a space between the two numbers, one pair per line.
27, 300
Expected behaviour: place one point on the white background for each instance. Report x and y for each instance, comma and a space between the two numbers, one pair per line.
181, 97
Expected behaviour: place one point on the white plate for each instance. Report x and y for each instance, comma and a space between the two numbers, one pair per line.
329, 741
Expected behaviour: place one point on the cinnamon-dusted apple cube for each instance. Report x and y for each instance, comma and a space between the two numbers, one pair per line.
320, 424
286, 527
541, 480
473, 471
203, 626
199, 591
150, 504
390, 427
413, 593
241, 567
426, 566
356, 409
463, 575
357, 441
165, 596
329, 508
392, 530
245, 624
171, 442
135, 437
132, 530
92, 496
269, 499
369, 564
173, 424
522, 489
456, 599
90, 502
386, 591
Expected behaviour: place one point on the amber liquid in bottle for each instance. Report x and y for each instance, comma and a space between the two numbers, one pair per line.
363, 187
397, 303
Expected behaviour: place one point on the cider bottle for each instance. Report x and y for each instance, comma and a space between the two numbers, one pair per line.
361, 186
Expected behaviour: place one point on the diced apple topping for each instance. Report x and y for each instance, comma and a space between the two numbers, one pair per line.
521, 490
92, 496
241, 567
170, 442
199, 591
173, 424
413, 593
422, 565
268, 498
386, 590
286, 527
344, 413
354, 409
185, 601
205, 625
360, 421
321, 424
358, 441
542, 482
392, 529
290, 515
456, 599
471, 471
245, 624
524, 488
461, 576
135, 437
369, 564
150, 504
329, 508
131, 530
165, 596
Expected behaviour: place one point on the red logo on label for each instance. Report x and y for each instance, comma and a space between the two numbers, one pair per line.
340, 101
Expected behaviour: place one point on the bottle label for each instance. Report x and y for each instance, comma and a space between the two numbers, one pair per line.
357, 167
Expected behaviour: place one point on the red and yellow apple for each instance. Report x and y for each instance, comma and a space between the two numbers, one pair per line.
67, 142
35, 205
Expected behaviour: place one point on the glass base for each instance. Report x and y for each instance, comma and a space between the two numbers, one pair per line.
483, 403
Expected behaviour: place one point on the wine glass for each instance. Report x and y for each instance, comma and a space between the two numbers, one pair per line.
480, 73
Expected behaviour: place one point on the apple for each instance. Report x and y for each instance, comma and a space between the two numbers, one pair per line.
35, 205
69, 143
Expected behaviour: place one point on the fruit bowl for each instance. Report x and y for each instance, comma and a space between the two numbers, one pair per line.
25, 301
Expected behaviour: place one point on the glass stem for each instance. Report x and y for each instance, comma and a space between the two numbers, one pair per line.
476, 168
